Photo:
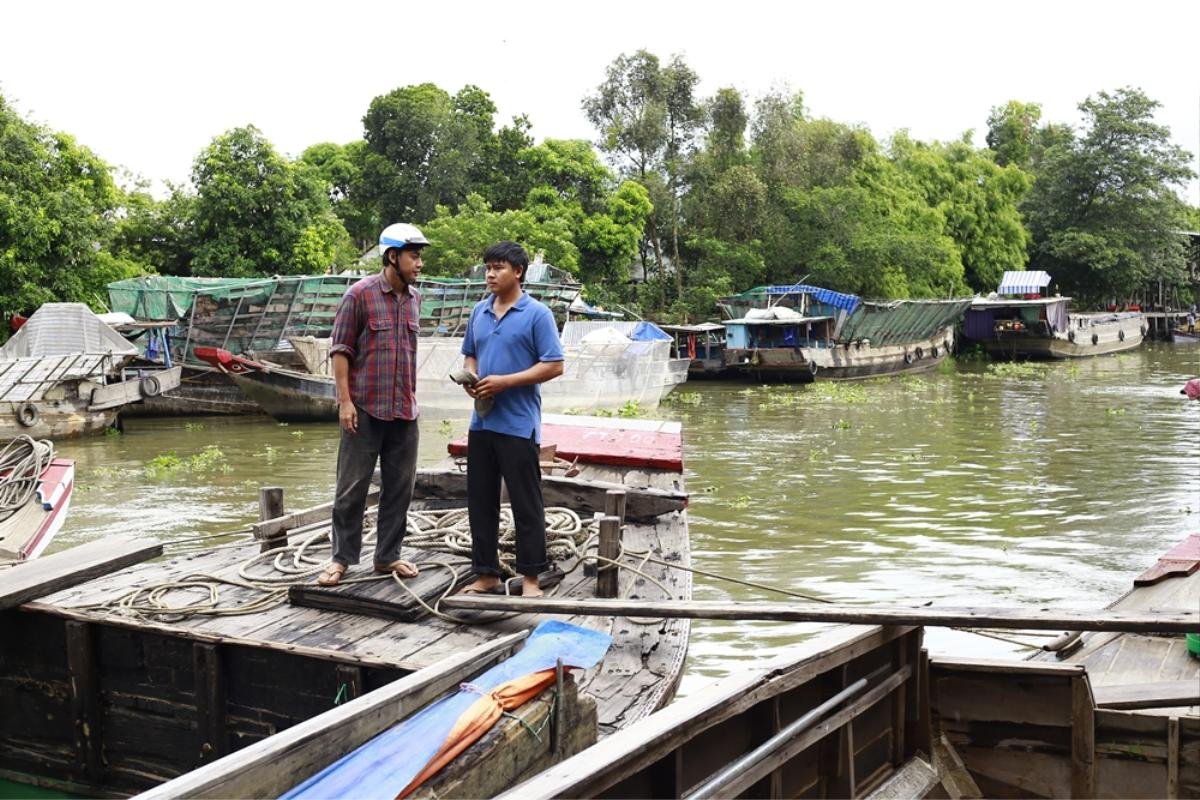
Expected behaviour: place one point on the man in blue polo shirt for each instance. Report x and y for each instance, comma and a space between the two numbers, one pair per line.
512, 345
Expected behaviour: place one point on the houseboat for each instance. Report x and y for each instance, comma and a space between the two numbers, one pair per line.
1017, 322
703, 345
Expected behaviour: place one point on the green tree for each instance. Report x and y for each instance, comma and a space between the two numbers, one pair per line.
340, 166
1103, 211
978, 200
424, 148
1012, 131
255, 213
57, 203
463, 234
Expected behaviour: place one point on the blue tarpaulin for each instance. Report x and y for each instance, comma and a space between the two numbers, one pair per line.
382, 767
848, 302
649, 332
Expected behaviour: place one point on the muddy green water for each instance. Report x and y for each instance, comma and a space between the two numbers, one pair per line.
1045, 485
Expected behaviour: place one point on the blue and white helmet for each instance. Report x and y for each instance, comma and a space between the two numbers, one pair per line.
400, 234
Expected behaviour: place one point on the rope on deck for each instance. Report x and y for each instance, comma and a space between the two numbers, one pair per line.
22, 462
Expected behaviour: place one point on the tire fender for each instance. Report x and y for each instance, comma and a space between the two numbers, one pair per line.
27, 415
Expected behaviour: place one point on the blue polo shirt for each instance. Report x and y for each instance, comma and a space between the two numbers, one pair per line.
525, 335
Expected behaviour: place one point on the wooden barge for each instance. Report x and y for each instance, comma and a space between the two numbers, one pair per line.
107, 696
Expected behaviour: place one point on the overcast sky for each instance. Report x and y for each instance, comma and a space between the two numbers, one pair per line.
147, 85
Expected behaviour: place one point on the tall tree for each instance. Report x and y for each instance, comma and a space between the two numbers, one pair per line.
629, 110
1012, 129
425, 148
1103, 212
340, 166
256, 213
978, 200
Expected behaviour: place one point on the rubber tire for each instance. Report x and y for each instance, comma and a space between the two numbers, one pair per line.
1095, 338
933, 352
908, 358
27, 415
1071, 337
919, 353
812, 368
1121, 334
150, 386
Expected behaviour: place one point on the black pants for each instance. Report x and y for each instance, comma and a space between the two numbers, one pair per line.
490, 457
393, 443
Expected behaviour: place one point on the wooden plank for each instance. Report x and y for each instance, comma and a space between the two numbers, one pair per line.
209, 682
62, 570
273, 528
1165, 694
1083, 739
915, 779
1035, 619
585, 496
273, 765
608, 547
956, 780
85, 700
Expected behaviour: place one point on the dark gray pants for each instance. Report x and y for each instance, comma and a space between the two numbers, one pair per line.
490, 457
393, 443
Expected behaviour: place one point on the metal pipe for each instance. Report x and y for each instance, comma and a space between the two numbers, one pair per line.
718, 784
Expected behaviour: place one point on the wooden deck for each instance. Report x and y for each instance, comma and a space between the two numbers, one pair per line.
158, 697
1132, 659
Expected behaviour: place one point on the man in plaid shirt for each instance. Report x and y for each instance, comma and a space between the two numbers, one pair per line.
374, 357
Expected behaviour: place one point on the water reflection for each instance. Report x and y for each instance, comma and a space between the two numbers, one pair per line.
1050, 485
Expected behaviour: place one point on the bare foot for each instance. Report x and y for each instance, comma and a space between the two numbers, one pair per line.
484, 584
529, 586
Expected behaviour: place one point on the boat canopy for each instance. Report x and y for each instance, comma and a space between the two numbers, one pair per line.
902, 321
1023, 282
840, 300
59, 329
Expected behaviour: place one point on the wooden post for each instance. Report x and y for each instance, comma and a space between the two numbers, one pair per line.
210, 702
1083, 739
85, 699
1172, 758
614, 504
610, 548
270, 506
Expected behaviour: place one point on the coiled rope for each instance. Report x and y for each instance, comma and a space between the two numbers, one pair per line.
22, 462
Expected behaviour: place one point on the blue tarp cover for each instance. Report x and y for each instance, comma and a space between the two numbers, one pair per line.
382, 767
848, 302
649, 332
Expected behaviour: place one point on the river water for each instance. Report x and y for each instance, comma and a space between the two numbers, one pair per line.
978, 485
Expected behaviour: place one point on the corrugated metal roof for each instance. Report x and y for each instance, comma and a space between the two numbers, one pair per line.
1023, 282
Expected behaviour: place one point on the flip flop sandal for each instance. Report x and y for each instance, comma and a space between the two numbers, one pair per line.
405, 569
332, 575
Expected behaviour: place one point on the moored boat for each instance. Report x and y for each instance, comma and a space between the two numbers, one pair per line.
703, 345
35, 488
61, 375
1018, 323
808, 333
161, 687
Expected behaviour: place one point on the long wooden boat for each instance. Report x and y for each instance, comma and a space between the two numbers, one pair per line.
126, 697
826, 335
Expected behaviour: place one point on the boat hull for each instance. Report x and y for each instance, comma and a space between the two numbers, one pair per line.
1082, 339
201, 393
290, 396
68, 418
27, 532
845, 361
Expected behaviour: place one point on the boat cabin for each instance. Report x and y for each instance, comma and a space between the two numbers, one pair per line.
702, 344
774, 329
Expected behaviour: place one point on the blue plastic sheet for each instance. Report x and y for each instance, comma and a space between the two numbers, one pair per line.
649, 332
382, 767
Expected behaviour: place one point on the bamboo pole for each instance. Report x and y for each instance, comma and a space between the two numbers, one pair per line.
1169, 621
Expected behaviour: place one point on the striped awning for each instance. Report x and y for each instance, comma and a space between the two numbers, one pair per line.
1024, 282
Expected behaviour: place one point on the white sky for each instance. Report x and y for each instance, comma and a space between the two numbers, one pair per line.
146, 85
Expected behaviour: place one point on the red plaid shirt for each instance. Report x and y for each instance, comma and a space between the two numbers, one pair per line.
377, 328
